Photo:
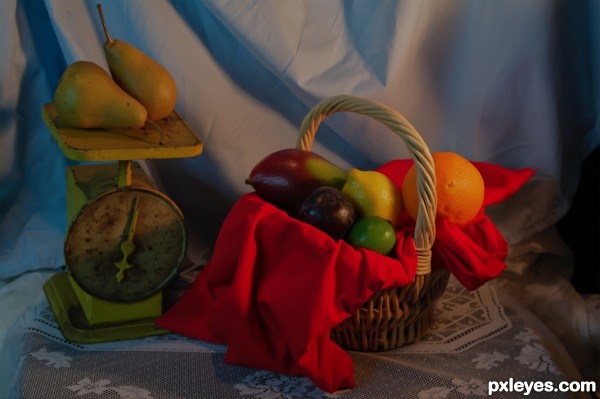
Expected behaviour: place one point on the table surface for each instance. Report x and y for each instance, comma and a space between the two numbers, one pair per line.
479, 336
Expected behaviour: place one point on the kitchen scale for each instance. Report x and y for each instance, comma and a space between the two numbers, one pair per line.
125, 239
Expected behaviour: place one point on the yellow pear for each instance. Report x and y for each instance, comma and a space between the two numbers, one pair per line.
139, 75
87, 97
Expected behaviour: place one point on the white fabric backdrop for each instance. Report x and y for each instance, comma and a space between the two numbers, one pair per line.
510, 82
506, 82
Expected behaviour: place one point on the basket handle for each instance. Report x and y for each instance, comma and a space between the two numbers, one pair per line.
424, 234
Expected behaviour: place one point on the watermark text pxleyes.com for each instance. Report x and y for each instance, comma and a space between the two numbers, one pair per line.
527, 387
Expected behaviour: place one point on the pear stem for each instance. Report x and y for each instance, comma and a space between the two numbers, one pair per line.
109, 39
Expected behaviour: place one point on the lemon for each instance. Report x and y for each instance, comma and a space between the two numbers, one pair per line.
374, 233
374, 194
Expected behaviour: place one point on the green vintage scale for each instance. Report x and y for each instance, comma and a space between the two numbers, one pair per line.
126, 240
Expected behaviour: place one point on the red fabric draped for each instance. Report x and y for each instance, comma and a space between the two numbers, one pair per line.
275, 287
474, 253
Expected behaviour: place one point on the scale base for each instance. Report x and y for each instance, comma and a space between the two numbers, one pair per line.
74, 325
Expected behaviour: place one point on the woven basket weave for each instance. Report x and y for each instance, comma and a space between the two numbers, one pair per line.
395, 316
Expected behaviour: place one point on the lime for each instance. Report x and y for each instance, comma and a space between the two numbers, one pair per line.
374, 194
374, 233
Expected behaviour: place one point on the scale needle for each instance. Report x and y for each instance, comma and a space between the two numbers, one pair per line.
127, 246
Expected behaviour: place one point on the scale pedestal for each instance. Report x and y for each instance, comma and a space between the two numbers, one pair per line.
126, 240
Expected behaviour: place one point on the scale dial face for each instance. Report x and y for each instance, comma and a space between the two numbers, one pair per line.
126, 245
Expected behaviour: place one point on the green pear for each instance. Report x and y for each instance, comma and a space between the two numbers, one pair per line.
140, 76
87, 97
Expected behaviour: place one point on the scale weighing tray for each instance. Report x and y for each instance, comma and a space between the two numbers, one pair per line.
178, 140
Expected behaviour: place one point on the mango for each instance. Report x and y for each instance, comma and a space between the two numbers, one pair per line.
287, 177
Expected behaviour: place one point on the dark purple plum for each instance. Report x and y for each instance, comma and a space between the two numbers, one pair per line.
329, 210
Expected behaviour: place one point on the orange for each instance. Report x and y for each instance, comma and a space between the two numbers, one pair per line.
459, 187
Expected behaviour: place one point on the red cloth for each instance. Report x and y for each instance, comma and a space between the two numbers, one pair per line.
474, 253
275, 287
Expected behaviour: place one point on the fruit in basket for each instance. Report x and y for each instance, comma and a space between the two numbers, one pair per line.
286, 177
374, 194
87, 97
329, 210
140, 75
374, 233
459, 186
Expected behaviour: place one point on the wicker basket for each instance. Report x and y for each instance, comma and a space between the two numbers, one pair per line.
395, 316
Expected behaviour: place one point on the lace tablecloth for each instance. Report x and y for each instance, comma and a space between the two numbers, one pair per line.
479, 336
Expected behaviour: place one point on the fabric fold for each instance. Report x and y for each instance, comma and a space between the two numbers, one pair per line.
474, 253
275, 287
